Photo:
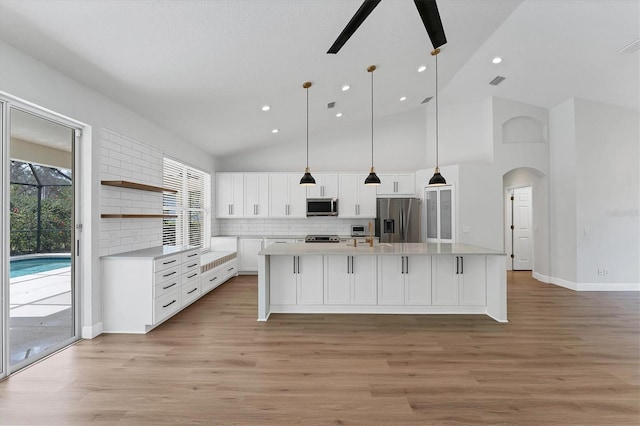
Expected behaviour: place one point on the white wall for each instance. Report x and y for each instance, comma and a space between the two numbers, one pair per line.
399, 145
562, 200
607, 142
25, 77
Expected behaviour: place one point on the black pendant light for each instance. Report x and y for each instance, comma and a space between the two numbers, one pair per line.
307, 179
437, 179
372, 179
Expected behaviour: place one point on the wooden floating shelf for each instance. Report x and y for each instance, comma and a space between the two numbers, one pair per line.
134, 185
135, 216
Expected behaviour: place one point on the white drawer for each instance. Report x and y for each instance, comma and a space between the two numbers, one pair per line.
167, 274
211, 280
191, 255
167, 262
190, 265
165, 287
166, 305
229, 269
190, 291
193, 275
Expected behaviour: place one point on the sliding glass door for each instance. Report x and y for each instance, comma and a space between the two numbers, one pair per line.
39, 251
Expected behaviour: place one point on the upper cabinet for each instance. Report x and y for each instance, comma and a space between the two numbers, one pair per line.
356, 200
287, 198
440, 206
397, 185
326, 186
256, 195
229, 195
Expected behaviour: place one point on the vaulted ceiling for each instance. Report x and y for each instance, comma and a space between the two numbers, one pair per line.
204, 69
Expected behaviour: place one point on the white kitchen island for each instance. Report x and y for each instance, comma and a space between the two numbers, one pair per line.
410, 278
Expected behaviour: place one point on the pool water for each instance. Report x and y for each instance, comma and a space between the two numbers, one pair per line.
22, 267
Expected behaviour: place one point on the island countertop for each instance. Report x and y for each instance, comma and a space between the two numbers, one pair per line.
301, 249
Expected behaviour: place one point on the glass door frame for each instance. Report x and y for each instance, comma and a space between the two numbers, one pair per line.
8, 103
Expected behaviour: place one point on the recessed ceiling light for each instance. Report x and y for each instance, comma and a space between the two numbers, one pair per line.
275, 130
496, 60
422, 68
266, 107
346, 87
404, 98
339, 114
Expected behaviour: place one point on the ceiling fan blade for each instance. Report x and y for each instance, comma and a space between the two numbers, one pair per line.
361, 14
428, 10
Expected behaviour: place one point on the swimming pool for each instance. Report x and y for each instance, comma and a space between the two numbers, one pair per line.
22, 267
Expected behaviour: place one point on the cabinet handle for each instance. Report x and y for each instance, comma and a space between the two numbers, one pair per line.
461, 265
395, 186
230, 269
402, 265
406, 259
298, 263
348, 271
213, 279
352, 264
191, 276
189, 292
169, 274
169, 262
169, 286
294, 264
457, 265
191, 255
170, 303
192, 265
229, 209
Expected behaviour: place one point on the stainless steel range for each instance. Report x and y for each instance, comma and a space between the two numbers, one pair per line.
322, 239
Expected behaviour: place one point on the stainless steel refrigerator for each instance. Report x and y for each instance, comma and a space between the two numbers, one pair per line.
398, 220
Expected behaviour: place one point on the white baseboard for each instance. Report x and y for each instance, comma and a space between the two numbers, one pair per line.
91, 331
587, 286
608, 286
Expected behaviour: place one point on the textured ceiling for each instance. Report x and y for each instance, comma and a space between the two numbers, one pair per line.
203, 69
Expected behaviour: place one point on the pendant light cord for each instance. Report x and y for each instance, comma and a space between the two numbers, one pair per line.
371, 119
307, 89
437, 131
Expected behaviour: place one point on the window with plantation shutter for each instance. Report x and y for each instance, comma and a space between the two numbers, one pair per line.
191, 205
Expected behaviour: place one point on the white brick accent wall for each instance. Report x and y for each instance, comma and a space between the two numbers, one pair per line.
122, 158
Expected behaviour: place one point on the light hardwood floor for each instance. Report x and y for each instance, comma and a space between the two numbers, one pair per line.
564, 358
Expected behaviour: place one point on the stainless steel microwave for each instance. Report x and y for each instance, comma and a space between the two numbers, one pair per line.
322, 207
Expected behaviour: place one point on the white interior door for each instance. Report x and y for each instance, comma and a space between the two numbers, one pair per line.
522, 232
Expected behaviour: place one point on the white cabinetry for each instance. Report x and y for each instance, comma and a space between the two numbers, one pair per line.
229, 195
140, 289
439, 203
404, 280
397, 184
356, 199
256, 195
216, 276
350, 280
296, 280
287, 198
248, 249
459, 280
326, 186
